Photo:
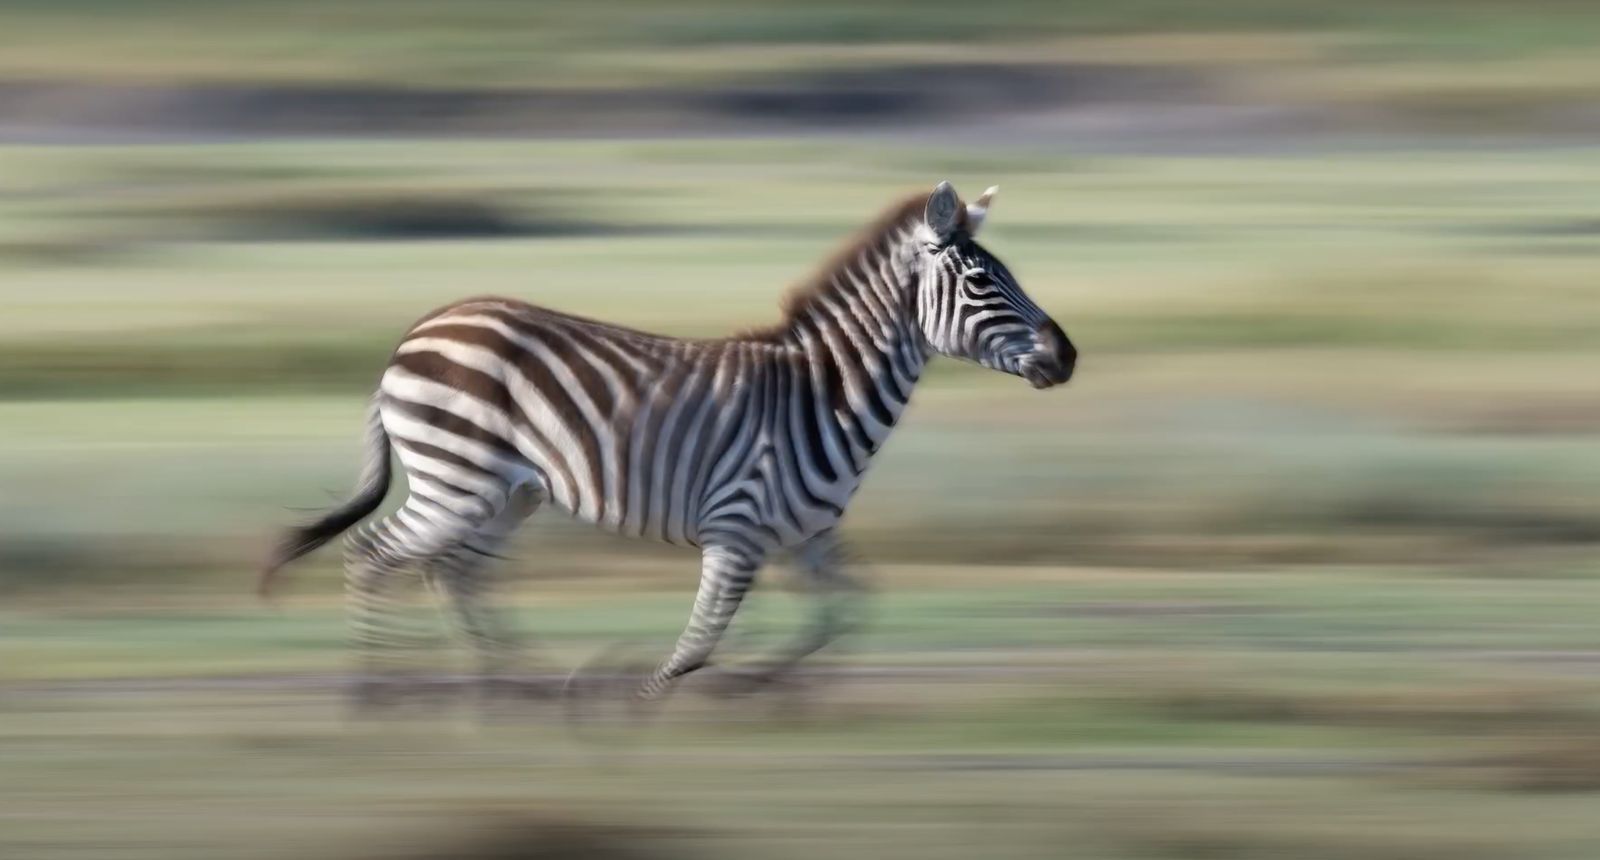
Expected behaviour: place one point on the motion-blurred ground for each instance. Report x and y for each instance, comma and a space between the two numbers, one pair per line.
1301, 564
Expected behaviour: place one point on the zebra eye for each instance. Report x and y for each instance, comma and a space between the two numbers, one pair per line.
980, 279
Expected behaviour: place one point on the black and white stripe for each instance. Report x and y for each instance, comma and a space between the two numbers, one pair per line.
740, 446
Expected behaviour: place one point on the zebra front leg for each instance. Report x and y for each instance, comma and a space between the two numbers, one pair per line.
725, 576
838, 598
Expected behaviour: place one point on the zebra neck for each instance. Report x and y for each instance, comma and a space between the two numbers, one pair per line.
863, 346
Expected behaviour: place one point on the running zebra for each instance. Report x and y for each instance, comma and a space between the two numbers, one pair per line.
740, 446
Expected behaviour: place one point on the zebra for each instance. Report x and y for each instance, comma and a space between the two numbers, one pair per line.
741, 447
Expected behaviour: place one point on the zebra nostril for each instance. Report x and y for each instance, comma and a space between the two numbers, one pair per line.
1054, 343
1058, 349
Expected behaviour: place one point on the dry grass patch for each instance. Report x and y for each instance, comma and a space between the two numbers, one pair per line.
1492, 709
1166, 837
1544, 765
524, 837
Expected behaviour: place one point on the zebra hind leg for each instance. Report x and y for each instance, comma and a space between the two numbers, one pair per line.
463, 581
377, 558
372, 580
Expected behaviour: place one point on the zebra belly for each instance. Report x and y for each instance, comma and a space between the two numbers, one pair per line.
769, 506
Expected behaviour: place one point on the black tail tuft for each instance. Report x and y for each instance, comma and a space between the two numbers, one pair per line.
374, 485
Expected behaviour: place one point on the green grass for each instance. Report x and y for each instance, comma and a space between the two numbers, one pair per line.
1300, 566
1359, 358
484, 42
1373, 360
1322, 713
1459, 254
934, 613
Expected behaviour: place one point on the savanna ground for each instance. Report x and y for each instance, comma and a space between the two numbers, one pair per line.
1298, 567
1301, 565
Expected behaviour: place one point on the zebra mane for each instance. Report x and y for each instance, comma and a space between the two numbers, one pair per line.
876, 238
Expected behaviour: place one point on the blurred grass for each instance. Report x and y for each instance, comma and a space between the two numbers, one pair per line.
1300, 566
1416, 251
487, 42
1419, 65
1366, 357
1336, 714
939, 614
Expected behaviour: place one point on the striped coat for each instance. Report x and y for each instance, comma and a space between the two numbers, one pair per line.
739, 446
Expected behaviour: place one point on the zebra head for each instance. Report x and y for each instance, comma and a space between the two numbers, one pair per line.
969, 305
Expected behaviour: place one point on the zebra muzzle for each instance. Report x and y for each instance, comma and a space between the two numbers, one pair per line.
1053, 359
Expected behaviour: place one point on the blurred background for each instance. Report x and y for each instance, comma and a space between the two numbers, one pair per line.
1303, 564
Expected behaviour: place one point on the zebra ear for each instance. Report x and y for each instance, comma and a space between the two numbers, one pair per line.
943, 213
978, 209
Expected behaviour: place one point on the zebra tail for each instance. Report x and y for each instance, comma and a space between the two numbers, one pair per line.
370, 490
